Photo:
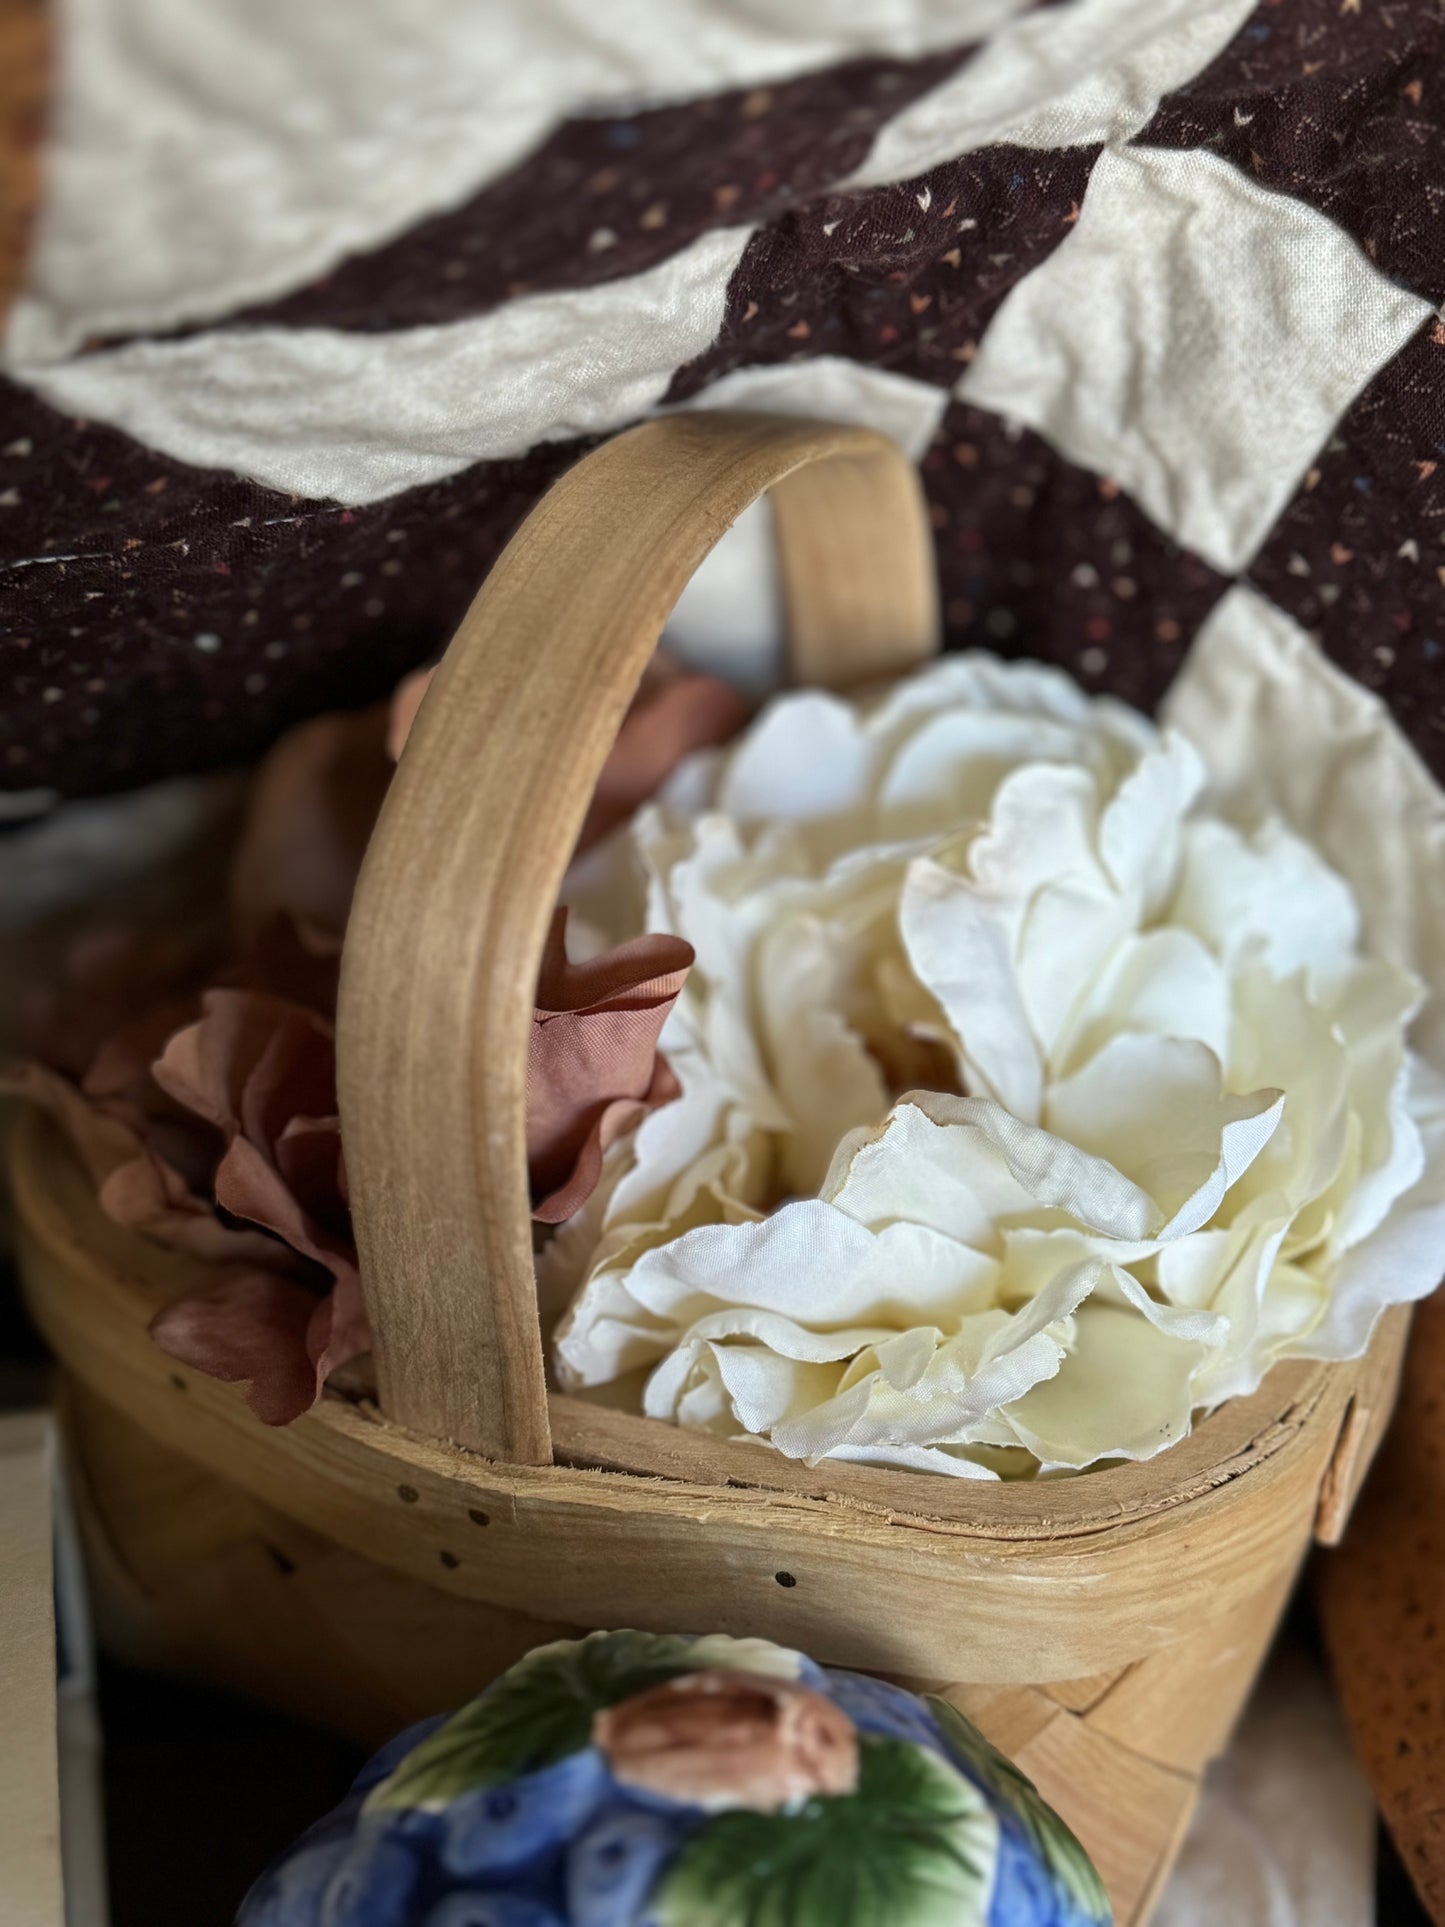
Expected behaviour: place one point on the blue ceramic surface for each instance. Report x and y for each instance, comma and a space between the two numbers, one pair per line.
641, 1780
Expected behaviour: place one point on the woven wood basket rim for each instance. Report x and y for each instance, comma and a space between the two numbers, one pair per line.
119, 1280
443, 946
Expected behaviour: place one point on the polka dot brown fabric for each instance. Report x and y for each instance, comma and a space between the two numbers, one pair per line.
1038, 556
1358, 557
905, 278
613, 196
157, 617
1341, 103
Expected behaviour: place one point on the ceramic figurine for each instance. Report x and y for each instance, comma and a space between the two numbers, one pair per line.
645, 1780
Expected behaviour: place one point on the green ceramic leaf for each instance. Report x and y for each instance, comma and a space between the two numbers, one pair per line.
915, 1846
1071, 1868
536, 1714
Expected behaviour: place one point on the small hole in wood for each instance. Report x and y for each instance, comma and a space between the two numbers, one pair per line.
785, 1579
478, 1517
408, 1494
178, 1382
450, 1561
282, 1564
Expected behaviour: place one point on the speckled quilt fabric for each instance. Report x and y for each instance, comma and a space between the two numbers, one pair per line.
321, 299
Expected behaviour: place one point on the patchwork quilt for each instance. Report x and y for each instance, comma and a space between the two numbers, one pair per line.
320, 299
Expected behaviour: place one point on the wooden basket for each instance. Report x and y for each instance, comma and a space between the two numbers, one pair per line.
386, 1554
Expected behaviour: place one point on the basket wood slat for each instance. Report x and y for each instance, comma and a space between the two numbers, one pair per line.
1103, 1629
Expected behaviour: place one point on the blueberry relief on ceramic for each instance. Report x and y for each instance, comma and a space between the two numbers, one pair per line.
642, 1780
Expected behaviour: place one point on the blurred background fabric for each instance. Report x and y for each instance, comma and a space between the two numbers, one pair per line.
1284, 1834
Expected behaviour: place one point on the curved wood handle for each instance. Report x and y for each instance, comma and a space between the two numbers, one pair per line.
457, 890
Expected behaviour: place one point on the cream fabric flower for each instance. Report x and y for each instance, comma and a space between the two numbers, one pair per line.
1028, 1105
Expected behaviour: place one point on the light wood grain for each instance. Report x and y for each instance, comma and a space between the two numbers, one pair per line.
1240, 1435
192, 1576
857, 567
457, 890
1180, 1705
877, 1586
1128, 1804
1130, 1811
1121, 1755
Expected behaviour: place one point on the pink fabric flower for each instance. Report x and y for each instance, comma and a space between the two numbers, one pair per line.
253, 1328
210, 1121
311, 812
262, 1071
148, 1160
317, 794
594, 1069
673, 714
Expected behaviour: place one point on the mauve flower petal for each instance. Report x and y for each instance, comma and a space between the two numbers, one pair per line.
294, 1075
339, 1330
250, 1327
229, 1100
255, 1065
120, 1082
594, 1046
687, 713
300, 962
111, 976
582, 1179
135, 1186
209, 1065
147, 1195
249, 1186
308, 1157
615, 1121
401, 712
102, 1142
311, 811
119, 1077
636, 975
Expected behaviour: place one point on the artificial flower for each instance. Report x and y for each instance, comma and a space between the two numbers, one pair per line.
309, 816
1028, 1105
261, 1071
593, 1068
208, 1118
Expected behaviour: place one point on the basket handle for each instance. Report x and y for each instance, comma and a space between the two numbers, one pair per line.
446, 932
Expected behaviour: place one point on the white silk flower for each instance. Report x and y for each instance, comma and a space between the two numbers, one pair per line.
1029, 1106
